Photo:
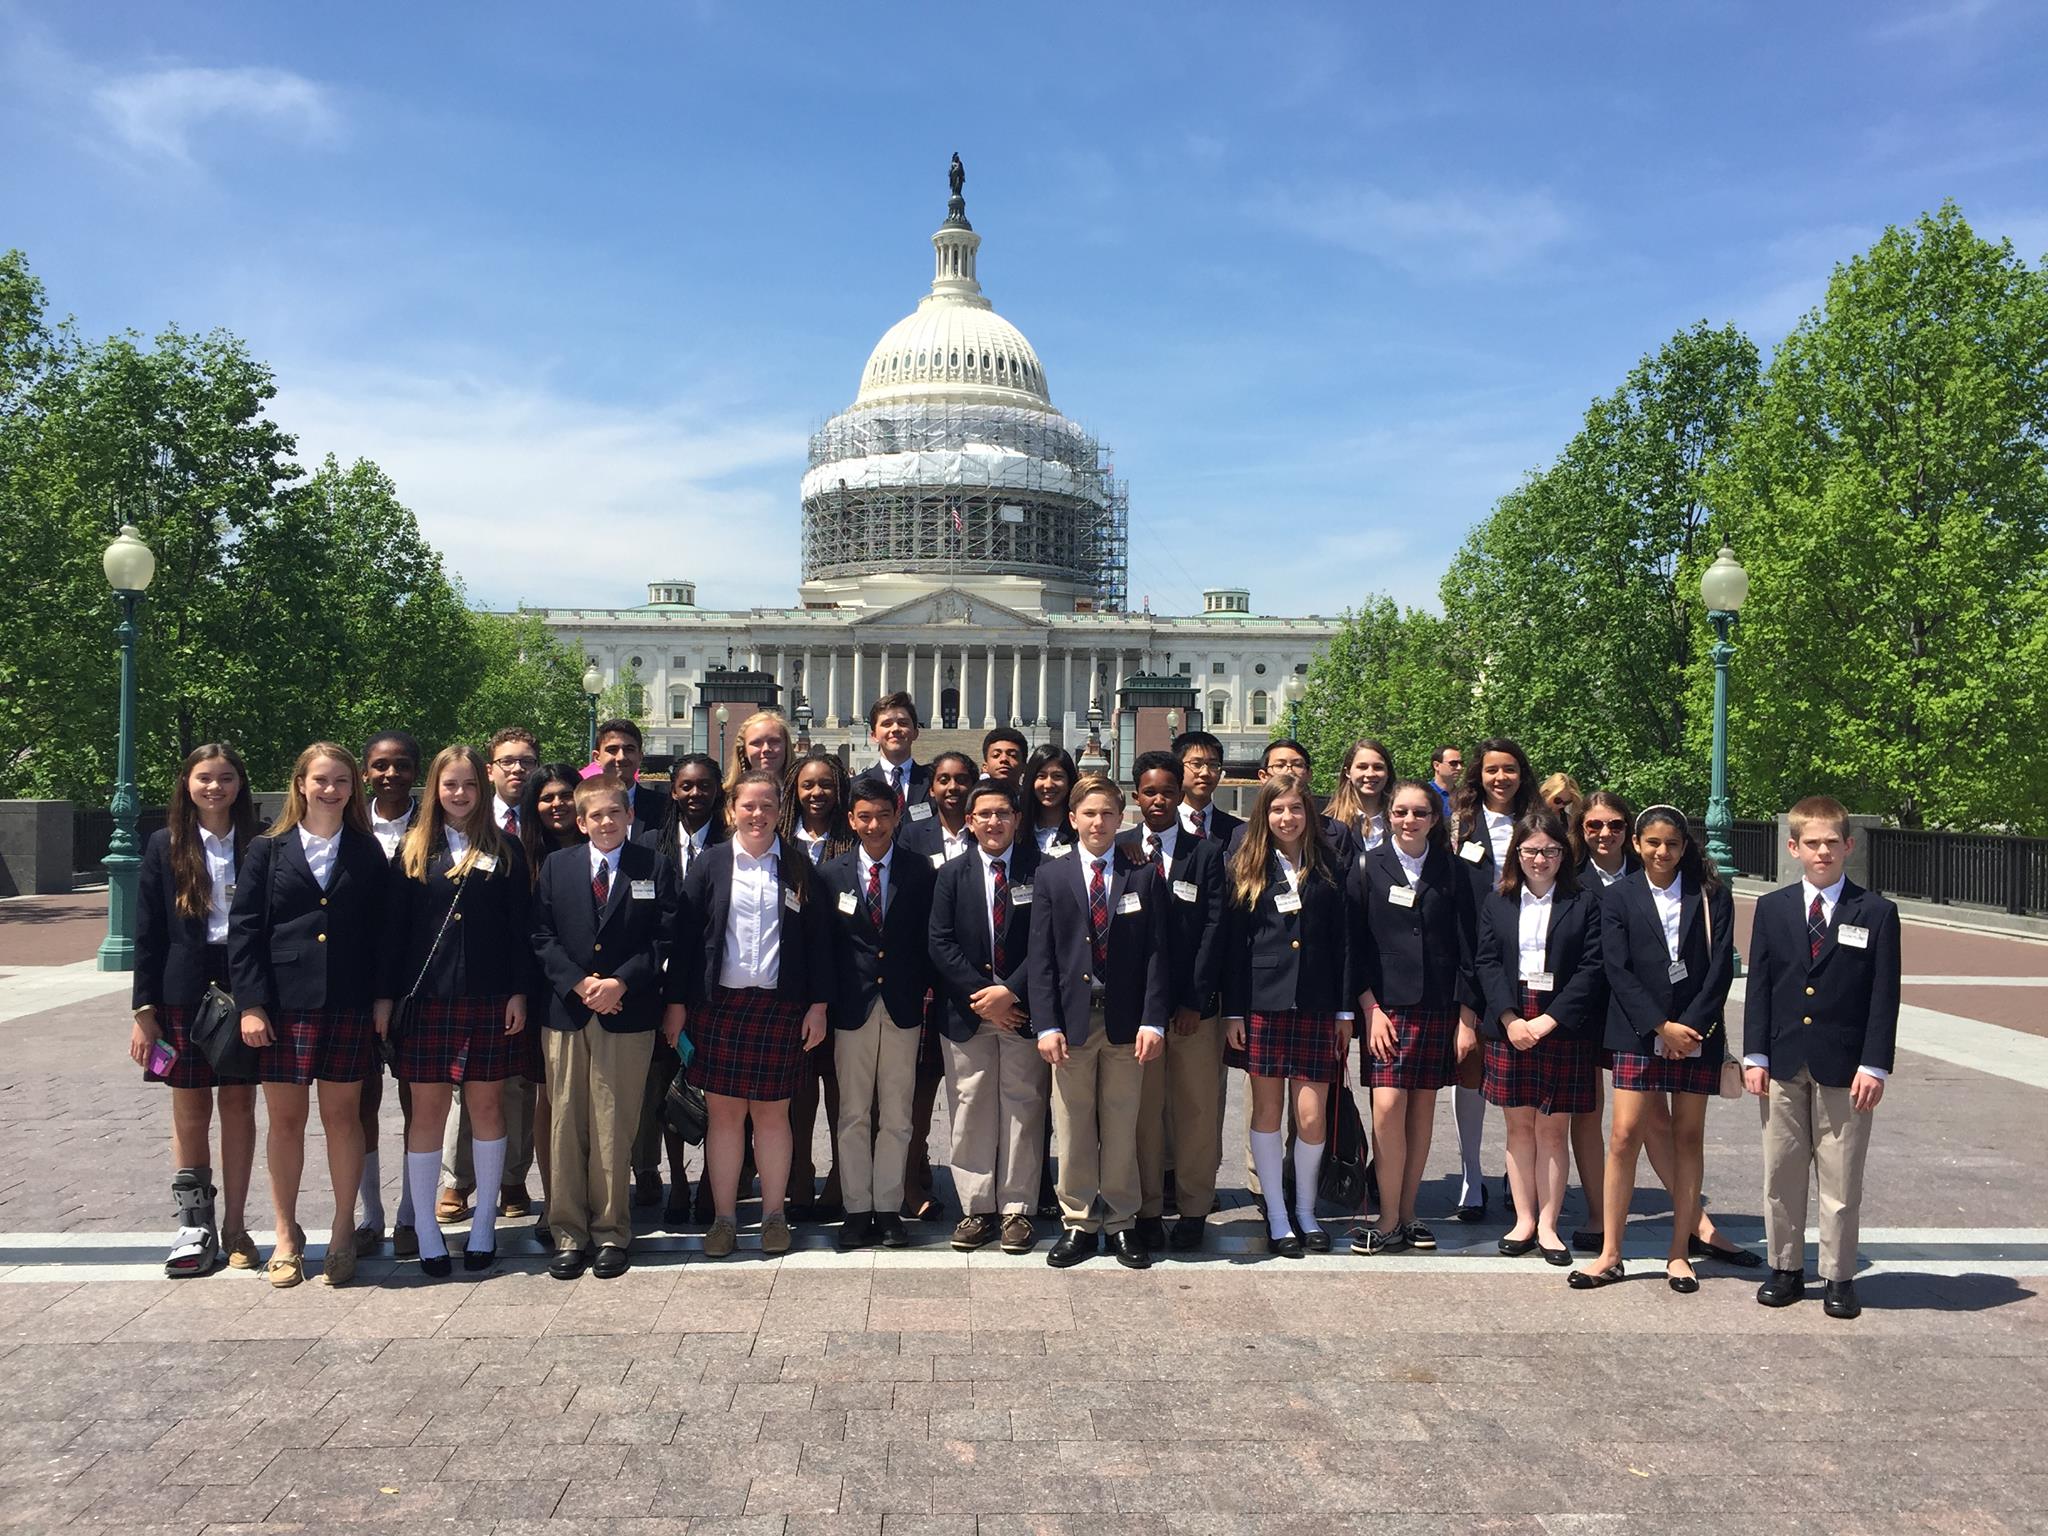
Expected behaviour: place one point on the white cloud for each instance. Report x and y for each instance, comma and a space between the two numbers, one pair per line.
1472, 233
535, 497
156, 111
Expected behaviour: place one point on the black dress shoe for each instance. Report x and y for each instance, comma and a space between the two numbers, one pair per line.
1130, 1250
1560, 1257
1316, 1240
440, 1267
1288, 1247
477, 1260
1685, 1285
567, 1263
858, 1231
1783, 1288
1737, 1258
611, 1262
1471, 1213
1186, 1236
1074, 1247
1587, 1240
1151, 1232
1515, 1247
889, 1230
1839, 1299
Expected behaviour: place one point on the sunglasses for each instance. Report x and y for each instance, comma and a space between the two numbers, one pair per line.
1603, 826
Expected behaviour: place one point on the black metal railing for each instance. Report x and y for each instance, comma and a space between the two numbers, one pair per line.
1754, 844
92, 830
1962, 869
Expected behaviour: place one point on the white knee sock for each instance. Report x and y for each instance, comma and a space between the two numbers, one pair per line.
1470, 1105
489, 1159
1308, 1162
370, 1192
1268, 1153
422, 1177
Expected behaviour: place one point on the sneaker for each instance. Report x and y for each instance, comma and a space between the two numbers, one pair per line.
720, 1239
1019, 1236
974, 1232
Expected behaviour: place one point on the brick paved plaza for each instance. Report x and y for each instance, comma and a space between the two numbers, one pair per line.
925, 1392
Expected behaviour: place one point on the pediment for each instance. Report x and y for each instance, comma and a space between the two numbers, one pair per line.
950, 607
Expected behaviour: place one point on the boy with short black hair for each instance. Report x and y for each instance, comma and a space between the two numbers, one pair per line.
1201, 767
1819, 1024
1002, 754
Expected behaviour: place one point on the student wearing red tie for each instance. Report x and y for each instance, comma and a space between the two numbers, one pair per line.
997, 1081
1201, 769
1819, 1026
892, 728
882, 908
1097, 989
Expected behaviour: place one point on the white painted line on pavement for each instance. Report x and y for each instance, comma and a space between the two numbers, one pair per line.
28, 989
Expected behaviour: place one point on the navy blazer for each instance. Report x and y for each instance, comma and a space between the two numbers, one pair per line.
488, 948
960, 941
1830, 1013
1195, 882
915, 792
170, 948
1339, 841
925, 835
1276, 962
1589, 873
1641, 994
803, 972
1571, 953
1060, 969
894, 963
1419, 956
295, 948
629, 943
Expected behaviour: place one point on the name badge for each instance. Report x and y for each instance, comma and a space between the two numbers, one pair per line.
789, 900
1472, 853
1288, 901
1401, 895
848, 903
643, 890
1129, 902
230, 898
485, 862
1676, 970
1854, 937
1539, 981
939, 860
1184, 890
1020, 895
922, 811
1058, 851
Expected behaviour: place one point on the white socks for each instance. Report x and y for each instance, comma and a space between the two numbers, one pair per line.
370, 1193
1268, 1154
489, 1160
1308, 1162
1470, 1105
422, 1176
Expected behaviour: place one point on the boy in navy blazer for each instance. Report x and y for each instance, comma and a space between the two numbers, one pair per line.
602, 913
1819, 1023
1096, 985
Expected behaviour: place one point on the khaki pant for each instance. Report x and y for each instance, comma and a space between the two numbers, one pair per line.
877, 1066
1182, 1109
595, 1079
515, 1101
1095, 1099
998, 1084
1808, 1127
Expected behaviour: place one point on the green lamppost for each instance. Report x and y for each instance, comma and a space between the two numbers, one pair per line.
593, 685
130, 567
1292, 691
1723, 588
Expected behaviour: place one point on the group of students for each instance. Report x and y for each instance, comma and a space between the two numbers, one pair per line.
557, 942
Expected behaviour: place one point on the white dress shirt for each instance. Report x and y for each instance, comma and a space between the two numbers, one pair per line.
1534, 934
1196, 821
814, 846
458, 844
896, 775
390, 834
953, 844
598, 856
1670, 904
1374, 831
1165, 843
320, 852
1830, 897
753, 921
220, 876
863, 864
1605, 878
1411, 865
1045, 836
1500, 831
690, 844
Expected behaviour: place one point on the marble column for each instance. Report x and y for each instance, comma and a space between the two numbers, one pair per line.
1017, 685
832, 687
988, 686
857, 704
1044, 663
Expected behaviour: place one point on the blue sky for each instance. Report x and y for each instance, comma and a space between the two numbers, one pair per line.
1329, 279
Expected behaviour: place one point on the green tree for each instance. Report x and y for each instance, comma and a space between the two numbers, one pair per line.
1391, 673
1890, 500
1577, 596
525, 677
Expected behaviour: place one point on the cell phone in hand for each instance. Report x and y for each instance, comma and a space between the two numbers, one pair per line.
162, 1057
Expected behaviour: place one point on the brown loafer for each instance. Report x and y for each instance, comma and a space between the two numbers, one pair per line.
240, 1248
339, 1267
451, 1205
720, 1239
1019, 1236
974, 1232
775, 1235
368, 1240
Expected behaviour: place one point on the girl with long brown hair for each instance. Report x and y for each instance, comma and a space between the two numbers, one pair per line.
1360, 798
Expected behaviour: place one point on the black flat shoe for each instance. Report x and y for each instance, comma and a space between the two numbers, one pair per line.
1074, 1247
1839, 1300
857, 1231
1737, 1258
437, 1268
477, 1260
611, 1262
1473, 1213
675, 1218
1515, 1247
1783, 1288
567, 1263
1130, 1250
889, 1230
1685, 1285
1594, 1279
1288, 1247
1587, 1240
1561, 1257
1186, 1236
1316, 1240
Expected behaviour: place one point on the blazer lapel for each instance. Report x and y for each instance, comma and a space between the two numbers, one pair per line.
1846, 910
621, 880
295, 855
1690, 908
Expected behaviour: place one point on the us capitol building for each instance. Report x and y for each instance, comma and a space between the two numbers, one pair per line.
962, 541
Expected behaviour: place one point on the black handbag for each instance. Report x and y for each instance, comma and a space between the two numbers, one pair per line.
407, 1007
683, 1111
216, 1028
1341, 1179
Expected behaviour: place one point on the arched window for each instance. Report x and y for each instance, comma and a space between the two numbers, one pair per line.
679, 703
1259, 707
1219, 708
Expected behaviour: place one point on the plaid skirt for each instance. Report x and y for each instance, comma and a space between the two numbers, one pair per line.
192, 1069
330, 1045
749, 1044
1293, 1044
460, 1040
1557, 1076
1699, 1074
1425, 1050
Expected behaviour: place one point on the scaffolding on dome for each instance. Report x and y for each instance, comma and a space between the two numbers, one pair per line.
965, 489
